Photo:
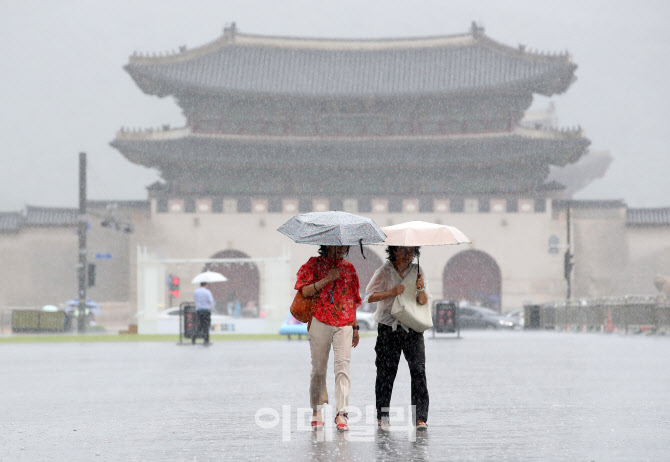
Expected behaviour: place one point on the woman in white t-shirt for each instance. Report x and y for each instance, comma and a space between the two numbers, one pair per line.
394, 338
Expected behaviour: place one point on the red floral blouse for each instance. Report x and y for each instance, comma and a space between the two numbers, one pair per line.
346, 294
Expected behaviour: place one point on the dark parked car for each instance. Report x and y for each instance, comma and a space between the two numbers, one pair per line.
478, 317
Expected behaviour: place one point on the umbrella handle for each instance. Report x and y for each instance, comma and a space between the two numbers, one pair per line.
360, 243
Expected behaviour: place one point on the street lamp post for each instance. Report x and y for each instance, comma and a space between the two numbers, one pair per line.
82, 266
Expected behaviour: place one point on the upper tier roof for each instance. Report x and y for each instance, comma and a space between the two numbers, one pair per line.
178, 146
245, 63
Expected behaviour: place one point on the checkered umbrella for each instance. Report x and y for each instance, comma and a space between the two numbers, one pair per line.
332, 228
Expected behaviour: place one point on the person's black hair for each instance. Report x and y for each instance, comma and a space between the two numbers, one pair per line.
323, 250
203, 284
392, 249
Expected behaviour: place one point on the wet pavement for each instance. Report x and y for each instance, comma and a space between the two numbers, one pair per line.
518, 396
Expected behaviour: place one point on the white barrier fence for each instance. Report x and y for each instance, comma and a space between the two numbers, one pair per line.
274, 289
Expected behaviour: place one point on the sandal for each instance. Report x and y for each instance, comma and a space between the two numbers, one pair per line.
317, 421
342, 427
383, 423
421, 425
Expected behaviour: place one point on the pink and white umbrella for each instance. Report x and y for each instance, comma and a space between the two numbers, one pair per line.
420, 233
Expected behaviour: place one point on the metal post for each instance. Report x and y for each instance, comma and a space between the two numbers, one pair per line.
181, 313
81, 318
568, 277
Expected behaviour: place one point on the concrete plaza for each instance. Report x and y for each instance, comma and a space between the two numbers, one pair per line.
515, 396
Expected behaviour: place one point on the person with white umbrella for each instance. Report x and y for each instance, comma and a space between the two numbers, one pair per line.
204, 303
395, 338
399, 288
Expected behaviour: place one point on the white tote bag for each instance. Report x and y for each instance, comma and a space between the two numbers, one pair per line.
407, 310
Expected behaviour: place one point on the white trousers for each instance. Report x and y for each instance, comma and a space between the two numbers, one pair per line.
321, 337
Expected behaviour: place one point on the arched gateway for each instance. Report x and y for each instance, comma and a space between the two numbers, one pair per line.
474, 276
243, 283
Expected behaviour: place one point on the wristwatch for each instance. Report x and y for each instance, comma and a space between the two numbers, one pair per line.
356, 327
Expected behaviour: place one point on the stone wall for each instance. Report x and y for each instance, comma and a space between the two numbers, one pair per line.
649, 250
611, 259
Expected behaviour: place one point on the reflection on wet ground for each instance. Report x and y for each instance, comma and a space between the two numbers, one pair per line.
494, 396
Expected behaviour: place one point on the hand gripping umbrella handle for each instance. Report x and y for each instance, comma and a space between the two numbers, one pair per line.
360, 243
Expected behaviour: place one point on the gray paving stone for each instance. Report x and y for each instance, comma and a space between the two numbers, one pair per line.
519, 396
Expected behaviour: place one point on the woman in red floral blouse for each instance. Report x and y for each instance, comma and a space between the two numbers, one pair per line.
334, 283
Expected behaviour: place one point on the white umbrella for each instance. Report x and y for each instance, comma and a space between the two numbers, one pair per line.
208, 276
419, 233
51, 308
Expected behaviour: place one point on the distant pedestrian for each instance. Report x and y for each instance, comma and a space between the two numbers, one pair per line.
204, 302
394, 338
237, 309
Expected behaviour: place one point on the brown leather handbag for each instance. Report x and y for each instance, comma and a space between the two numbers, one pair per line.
302, 307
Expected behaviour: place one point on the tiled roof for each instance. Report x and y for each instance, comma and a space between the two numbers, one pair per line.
648, 217
50, 216
561, 204
55, 216
328, 68
37, 216
157, 149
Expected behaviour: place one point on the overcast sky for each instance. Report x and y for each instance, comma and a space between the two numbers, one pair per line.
64, 89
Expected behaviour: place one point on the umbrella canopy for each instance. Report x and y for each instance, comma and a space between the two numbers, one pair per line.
420, 233
51, 308
89, 303
93, 307
332, 228
209, 276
